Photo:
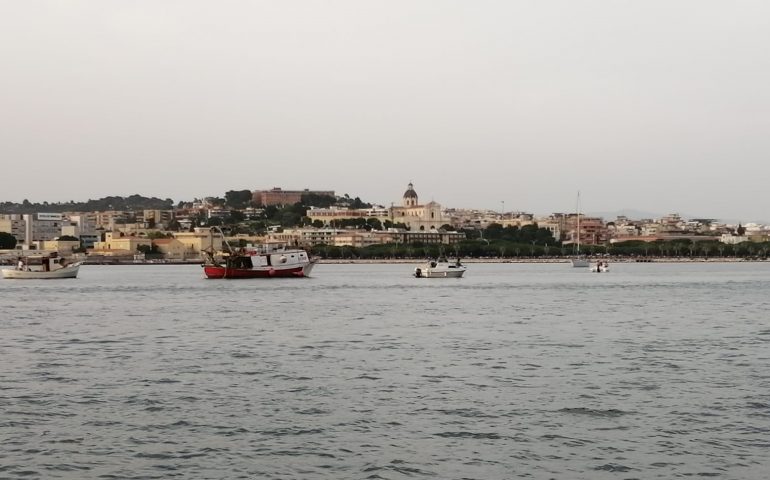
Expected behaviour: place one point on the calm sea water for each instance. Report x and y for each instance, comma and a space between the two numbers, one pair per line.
533, 371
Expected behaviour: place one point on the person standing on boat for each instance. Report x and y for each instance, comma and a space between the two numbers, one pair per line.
21, 264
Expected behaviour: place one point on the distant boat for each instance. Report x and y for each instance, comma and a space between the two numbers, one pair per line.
440, 268
578, 261
600, 267
42, 267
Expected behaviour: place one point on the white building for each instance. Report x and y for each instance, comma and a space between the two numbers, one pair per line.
418, 217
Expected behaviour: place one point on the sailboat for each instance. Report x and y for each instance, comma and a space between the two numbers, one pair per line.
578, 261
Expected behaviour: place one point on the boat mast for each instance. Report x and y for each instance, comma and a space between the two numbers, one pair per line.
577, 208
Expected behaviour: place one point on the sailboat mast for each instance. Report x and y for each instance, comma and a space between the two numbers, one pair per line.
577, 208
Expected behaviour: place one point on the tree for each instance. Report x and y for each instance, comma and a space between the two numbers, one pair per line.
238, 198
236, 216
7, 241
69, 238
147, 249
374, 223
173, 225
315, 200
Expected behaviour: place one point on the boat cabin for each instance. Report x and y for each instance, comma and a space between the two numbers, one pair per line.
41, 263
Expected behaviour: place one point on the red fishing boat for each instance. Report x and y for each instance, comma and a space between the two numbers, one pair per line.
252, 263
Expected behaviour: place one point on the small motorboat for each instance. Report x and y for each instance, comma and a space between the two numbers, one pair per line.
600, 267
440, 268
42, 267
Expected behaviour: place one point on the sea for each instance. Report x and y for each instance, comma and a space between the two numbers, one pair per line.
539, 371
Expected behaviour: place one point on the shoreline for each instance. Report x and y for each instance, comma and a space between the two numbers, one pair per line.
414, 261
330, 261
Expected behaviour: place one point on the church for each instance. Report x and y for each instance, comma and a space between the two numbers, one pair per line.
428, 217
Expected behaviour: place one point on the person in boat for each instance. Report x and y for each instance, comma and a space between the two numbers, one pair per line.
21, 264
457, 263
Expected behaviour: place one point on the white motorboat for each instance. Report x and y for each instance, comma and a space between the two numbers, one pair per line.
42, 267
600, 267
440, 268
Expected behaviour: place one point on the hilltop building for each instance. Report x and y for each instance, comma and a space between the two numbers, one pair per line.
278, 197
418, 217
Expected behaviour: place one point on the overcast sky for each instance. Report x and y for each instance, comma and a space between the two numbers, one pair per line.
661, 106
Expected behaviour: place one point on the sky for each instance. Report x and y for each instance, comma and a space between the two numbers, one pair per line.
655, 105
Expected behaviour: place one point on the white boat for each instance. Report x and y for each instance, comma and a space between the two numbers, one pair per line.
578, 261
600, 267
42, 267
440, 268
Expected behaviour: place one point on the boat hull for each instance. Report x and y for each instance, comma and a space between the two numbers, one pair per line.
443, 274
580, 263
66, 272
217, 272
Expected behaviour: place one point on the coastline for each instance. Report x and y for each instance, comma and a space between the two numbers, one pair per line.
414, 261
330, 261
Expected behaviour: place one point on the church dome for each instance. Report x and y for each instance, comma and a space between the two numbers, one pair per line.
410, 193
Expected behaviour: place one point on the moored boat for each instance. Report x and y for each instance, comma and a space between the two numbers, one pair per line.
600, 267
440, 268
252, 263
42, 267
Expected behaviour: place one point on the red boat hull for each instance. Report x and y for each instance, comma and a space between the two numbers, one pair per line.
212, 271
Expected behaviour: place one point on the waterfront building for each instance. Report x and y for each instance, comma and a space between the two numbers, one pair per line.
171, 248
119, 243
63, 247
199, 240
394, 235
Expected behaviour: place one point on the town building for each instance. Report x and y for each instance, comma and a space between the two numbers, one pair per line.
416, 216
119, 244
157, 219
171, 248
15, 225
199, 240
278, 197
328, 215
43, 226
